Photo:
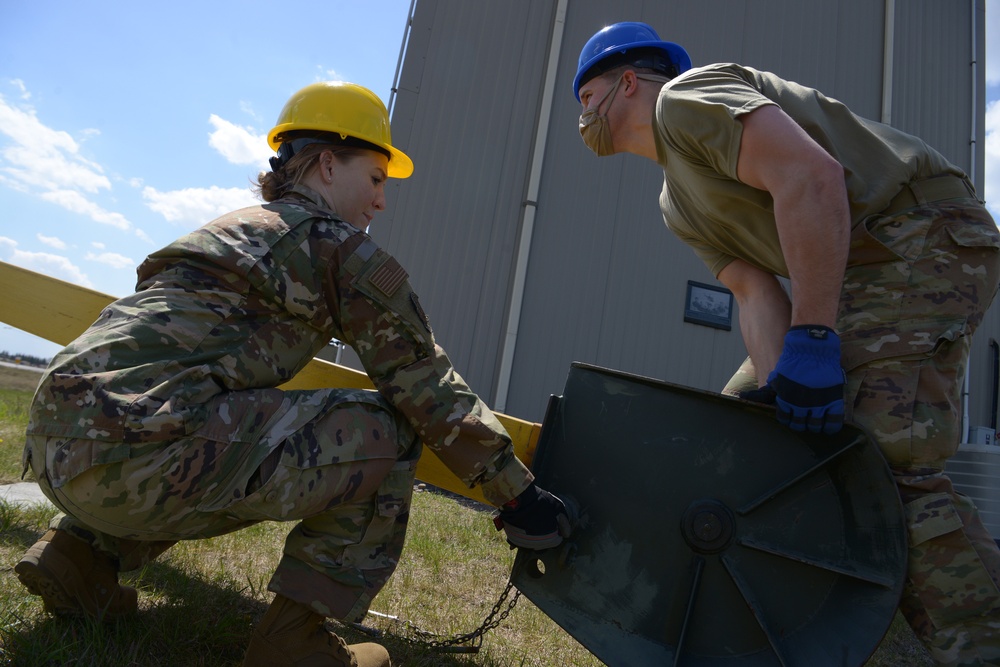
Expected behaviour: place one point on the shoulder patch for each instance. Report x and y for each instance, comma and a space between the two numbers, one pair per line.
388, 277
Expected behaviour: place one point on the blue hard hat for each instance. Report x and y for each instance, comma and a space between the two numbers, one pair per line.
620, 38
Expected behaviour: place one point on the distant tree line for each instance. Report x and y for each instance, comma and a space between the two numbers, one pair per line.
26, 359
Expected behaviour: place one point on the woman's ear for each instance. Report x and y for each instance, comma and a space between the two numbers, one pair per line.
327, 165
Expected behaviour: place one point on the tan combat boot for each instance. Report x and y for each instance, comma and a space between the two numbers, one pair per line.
73, 578
293, 634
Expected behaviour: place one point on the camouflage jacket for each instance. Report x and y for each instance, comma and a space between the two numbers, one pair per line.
245, 302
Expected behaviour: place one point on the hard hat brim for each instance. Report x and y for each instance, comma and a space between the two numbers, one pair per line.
400, 164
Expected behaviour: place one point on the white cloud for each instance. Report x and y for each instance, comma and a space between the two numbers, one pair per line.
50, 168
248, 109
52, 241
56, 266
19, 84
112, 259
193, 207
77, 203
47, 163
237, 144
991, 185
43, 158
98, 245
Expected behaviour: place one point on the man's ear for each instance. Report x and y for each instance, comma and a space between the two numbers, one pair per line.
630, 83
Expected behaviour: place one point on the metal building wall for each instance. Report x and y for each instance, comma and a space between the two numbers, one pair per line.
465, 110
606, 281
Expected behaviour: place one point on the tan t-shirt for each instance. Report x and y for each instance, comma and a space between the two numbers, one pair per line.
697, 132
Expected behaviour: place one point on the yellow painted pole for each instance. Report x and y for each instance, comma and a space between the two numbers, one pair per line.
60, 311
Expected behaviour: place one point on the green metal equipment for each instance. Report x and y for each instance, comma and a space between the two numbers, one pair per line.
709, 535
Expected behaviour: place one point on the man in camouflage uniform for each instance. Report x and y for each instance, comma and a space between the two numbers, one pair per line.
892, 261
162, 421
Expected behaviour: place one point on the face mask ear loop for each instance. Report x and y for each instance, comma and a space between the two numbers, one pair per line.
612, 92
655, 78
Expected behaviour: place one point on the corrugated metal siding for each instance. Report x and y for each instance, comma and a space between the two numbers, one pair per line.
932, 86
606, 280
983, 370
466, 112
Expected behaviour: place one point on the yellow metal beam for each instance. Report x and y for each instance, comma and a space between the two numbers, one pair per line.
59, 311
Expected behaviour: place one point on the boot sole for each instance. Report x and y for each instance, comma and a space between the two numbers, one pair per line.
41, 573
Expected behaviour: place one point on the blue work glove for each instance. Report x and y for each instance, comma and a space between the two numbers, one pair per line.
536, 519
808, 380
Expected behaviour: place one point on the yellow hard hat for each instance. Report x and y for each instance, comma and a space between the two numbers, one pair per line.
344, 108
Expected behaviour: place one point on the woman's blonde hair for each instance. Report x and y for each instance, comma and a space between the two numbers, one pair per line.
275, 184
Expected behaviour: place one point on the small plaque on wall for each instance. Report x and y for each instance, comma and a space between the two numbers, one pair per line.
709, 306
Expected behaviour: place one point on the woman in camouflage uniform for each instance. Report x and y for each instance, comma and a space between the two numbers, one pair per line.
163, 422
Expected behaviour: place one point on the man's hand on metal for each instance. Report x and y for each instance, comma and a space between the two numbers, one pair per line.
808, 380
763, 395
536, 519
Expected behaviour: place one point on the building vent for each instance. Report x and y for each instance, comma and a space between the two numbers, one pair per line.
982, 435
975, 471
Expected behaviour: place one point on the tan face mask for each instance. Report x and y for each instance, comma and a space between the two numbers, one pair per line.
594, 127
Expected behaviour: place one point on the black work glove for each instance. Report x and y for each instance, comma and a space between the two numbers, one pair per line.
536, 519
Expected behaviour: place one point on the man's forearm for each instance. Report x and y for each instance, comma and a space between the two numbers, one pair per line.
765, 313
763, 323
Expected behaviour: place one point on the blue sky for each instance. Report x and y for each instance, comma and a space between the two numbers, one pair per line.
126, 124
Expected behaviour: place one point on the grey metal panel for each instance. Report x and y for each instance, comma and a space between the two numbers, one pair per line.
833, 46
932, 86
466, 112
983, 371
606, 280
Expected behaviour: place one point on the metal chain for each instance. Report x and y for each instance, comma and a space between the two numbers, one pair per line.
470, 642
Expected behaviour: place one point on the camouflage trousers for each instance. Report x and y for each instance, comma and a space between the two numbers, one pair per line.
340, 462
917, 285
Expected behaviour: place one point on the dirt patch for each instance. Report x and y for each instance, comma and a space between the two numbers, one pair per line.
21, 379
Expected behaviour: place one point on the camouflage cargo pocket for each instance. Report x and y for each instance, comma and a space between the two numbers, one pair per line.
66, 458
944, 569
382, 543
915, 281
901, 403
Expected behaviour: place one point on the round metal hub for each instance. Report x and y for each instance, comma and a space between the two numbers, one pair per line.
708, 526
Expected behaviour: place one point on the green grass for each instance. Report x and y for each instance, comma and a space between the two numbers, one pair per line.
199, 601
16, 389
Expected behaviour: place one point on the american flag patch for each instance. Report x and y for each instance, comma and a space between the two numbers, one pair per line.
388, 277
